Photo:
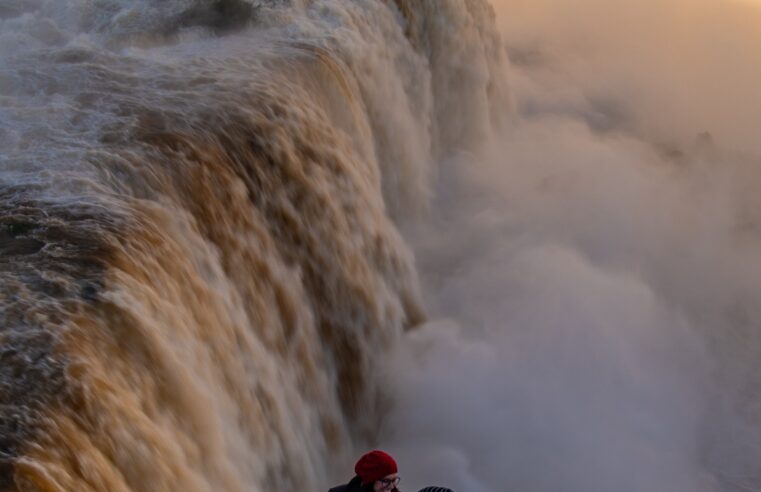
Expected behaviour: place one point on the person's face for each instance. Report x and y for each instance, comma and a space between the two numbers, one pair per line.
389, 482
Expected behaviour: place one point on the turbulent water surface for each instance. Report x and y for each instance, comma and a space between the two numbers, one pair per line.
242, 241
198, 266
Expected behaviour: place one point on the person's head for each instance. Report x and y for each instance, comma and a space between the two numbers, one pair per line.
377, 470
387, 483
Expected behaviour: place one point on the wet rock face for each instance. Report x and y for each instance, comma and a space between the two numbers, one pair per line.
220, 15
15, 8
51, 265
14, 241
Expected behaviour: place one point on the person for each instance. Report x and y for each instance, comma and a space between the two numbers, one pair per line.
375, 471
435, 489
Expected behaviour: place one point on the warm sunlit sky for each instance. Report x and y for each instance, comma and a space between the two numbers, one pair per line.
681, 66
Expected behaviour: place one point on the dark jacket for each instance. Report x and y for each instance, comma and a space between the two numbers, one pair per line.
354, 485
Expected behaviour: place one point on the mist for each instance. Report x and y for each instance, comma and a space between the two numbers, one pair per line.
592, 273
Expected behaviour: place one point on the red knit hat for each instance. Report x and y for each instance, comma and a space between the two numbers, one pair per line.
374, 466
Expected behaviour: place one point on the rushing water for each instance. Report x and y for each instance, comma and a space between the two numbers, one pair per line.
199, 270
243, 240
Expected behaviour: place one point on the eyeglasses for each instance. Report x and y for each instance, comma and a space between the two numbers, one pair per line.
388, 482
